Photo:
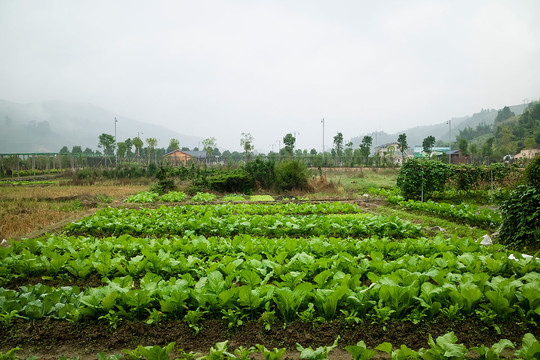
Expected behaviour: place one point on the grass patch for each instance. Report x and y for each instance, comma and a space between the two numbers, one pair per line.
360, 179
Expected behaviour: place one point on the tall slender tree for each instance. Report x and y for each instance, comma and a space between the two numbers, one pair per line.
106, 141
138, 143
338, 145
208, 145
174, 144
365, 147
152, 143
428, 144
129, 146
247, 144
402, 145
288, 141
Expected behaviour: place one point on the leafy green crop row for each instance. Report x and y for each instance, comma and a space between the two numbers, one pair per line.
150, 197
470, 213
444, 347
80, 257
376, 278
248, 293
226, 209
233, 197
173, 220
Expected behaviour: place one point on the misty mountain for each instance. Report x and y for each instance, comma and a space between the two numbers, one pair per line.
48, 126
416, 135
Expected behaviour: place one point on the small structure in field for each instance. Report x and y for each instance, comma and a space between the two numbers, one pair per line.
177, 157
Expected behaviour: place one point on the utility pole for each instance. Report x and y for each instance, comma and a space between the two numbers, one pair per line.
322, 140
115, 142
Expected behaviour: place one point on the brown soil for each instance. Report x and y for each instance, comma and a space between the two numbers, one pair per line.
51, 338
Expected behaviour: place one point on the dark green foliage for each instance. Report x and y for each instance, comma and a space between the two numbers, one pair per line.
152, 169
521, 211
524, 132
165, 180
289, 141
433, 175
262, 172
521, 217
503, 114
237, 180
468, 177
428, 144
469, 133
438, 175
130, 172
291, 175
532, 172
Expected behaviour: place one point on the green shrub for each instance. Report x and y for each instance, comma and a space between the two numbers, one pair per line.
291, 175
84, 174
521, 217
262, 172
165, 181
237, 180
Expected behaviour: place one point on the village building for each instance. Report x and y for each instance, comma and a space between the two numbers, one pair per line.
390, 152
526, 154
177, 157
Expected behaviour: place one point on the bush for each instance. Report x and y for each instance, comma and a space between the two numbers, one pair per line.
85, 174
521, 217
291, 175
262, 172
237, 180
165, 181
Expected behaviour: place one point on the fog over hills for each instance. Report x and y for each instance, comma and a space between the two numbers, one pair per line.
416, 135
48, 126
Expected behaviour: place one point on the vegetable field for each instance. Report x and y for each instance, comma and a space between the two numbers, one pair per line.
232, 276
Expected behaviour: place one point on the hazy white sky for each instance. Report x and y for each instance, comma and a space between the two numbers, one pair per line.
220, 68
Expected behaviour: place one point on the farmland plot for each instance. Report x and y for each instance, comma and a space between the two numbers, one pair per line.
272, 275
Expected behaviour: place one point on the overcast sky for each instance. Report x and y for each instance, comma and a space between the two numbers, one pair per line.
220, 68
